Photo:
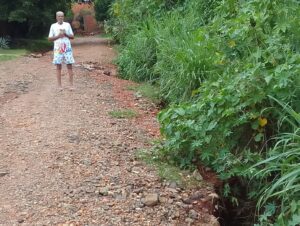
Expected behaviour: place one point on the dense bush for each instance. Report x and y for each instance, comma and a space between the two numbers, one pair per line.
217, 64
102, 9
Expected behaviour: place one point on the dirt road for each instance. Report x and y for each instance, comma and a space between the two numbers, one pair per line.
65, 161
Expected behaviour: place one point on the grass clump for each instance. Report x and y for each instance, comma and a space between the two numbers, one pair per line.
10, 54
123, 114
148, 91
166, 171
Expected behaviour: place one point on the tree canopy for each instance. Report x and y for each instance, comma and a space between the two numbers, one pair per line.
29, 17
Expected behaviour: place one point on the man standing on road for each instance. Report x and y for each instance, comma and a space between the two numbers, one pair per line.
61, 33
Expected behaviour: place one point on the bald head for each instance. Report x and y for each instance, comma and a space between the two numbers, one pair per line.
60, 17
59, 13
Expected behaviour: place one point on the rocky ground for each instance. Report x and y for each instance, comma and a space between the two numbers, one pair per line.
65, 161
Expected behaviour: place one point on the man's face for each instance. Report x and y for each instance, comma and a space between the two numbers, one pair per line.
60, 18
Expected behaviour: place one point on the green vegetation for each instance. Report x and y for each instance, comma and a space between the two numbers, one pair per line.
9, 54
30, 18
105, 35
33, 45
20, 47
216, 64
283, 160
21, 21
148, 91
4, 42
124, 113
102, 9
168, 172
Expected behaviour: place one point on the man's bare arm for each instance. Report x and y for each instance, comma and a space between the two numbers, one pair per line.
69, 36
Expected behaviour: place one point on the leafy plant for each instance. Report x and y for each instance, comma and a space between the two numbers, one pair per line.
4, 42
281, 167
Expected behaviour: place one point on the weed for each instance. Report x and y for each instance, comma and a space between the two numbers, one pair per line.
124, 113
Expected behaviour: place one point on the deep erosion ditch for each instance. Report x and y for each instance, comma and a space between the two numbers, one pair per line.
228, 212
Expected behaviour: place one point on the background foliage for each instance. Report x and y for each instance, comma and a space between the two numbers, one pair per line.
223, 66
29, 18
102, 9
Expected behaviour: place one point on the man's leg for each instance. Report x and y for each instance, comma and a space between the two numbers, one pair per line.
70, 72
58, 75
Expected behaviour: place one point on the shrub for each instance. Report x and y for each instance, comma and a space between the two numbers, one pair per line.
102, 9
4, 42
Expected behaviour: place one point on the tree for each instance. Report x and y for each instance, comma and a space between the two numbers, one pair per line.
32, 17
102, 9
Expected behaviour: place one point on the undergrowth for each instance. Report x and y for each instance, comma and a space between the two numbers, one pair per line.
223, 67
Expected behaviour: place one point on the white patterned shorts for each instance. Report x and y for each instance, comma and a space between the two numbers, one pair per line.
63, 54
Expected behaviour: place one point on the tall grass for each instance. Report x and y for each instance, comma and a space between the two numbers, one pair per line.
185, 56
171, 47
282, 169
138, 65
